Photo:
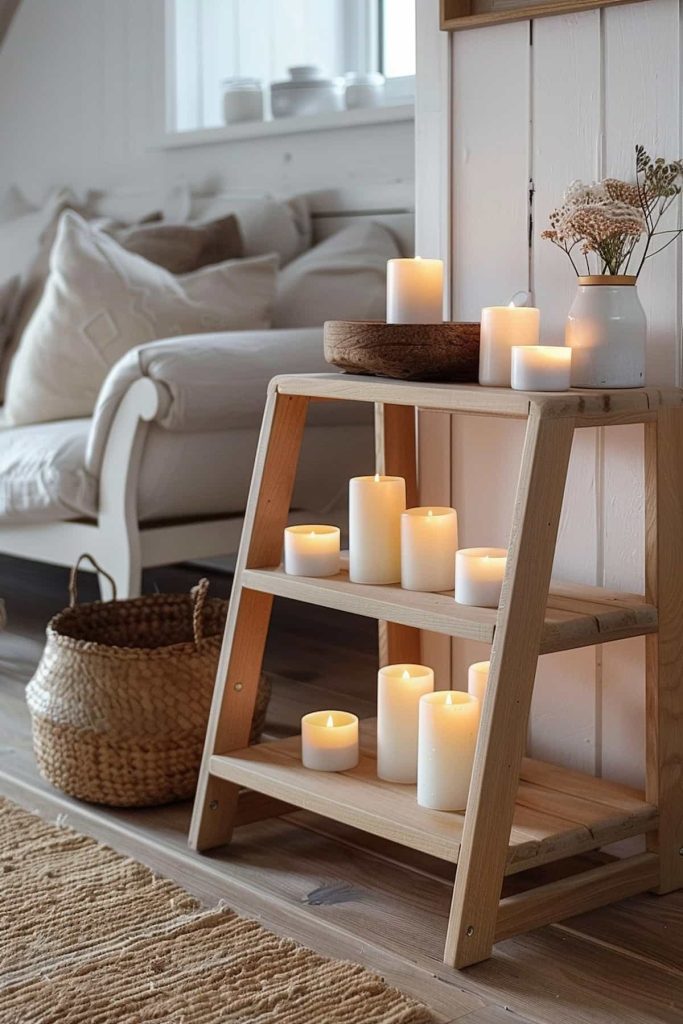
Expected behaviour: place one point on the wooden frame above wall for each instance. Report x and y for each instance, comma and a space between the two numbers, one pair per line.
464, 14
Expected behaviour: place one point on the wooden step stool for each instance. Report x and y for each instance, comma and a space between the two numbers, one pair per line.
521, 813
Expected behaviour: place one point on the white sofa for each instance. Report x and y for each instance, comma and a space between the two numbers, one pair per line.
161, 472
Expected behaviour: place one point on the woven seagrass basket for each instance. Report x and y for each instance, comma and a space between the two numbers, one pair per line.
120, 700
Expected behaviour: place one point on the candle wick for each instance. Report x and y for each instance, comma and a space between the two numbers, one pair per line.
406, 674
449, 698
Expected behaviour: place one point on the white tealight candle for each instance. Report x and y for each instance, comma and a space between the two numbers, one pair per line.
479, 576
399, 688
541, 367
501, 328
312, 550
477, 678
329, 741
375, 507
449, 721
414, 291
429, 540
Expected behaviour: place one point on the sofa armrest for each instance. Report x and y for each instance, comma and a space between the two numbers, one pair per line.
215, 382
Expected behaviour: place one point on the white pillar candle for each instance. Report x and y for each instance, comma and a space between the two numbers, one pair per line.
541, 367
501, 328
399, 688
312, 550
414, 291
429, 540
477, 678
449, 721
479, 576
329, 741
375, 507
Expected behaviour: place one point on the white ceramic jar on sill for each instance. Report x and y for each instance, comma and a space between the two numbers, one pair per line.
242, 100
607, 331
364, 90
306, 92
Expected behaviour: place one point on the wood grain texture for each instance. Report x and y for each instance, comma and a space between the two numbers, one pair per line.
458, 15
575, 894
664, 677
246, 627
432, 352
505, 713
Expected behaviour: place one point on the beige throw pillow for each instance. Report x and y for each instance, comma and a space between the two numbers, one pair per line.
100, 301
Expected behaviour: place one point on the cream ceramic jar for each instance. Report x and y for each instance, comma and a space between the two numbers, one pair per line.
607, 331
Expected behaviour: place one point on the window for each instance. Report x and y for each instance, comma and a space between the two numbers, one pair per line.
213, 40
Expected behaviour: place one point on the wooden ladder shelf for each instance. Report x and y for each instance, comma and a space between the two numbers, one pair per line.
521, 813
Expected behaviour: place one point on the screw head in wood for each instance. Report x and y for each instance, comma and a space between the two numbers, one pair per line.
680, 852
213, 806
470, 932
239, 686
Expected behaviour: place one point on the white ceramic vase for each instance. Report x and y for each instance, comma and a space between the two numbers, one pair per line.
606, 331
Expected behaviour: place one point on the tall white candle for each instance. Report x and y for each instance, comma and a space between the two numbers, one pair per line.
477, 678
399, 688
429, 540
414, 291
375, 507
329, 741
447, 739
501, 328
312, 550
479, 576
541, 367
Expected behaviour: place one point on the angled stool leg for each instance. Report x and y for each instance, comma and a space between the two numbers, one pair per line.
502, 735
246, 628
664, 659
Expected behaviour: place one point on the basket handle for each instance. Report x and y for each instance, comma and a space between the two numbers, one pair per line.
73, 590
198, 595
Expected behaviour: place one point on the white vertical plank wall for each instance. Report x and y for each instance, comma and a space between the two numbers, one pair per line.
535, 105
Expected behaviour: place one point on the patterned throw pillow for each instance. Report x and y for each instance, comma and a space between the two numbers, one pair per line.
100, 301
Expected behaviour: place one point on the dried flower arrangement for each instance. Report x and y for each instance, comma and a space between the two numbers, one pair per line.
614, 222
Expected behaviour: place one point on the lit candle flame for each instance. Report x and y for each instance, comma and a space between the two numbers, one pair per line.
330, 722
430, 513
449, 698
312, 534
511, 305
376, 478
406, 674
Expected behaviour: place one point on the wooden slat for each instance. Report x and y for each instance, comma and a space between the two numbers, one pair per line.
246, 628
575, 894
467, 14
548, 824
664, 655
588, 622
597, 406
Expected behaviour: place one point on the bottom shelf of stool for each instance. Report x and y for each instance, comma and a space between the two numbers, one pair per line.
558, 813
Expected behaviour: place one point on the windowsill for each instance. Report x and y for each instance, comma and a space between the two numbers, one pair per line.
287, 126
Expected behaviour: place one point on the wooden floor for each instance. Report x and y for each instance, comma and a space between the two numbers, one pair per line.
343, 893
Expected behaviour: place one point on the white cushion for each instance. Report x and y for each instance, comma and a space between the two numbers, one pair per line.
43, 477
342, 278
100, 301
42, 473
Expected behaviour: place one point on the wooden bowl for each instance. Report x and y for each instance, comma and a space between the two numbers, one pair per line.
429, 352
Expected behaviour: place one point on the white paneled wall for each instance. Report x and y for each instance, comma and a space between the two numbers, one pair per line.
534, 105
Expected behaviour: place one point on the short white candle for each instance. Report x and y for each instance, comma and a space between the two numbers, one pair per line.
477, 679
501, 328
329, 741
375, 507
449, 721
479, 576
414, 291
312, 550
429, 540
541, 367
399, 688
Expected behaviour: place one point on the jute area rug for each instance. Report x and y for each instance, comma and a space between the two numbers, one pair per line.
89, 936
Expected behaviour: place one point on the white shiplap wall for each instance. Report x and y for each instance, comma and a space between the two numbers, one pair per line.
546, 102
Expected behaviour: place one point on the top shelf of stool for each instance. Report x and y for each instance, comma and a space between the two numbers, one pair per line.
587, 408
